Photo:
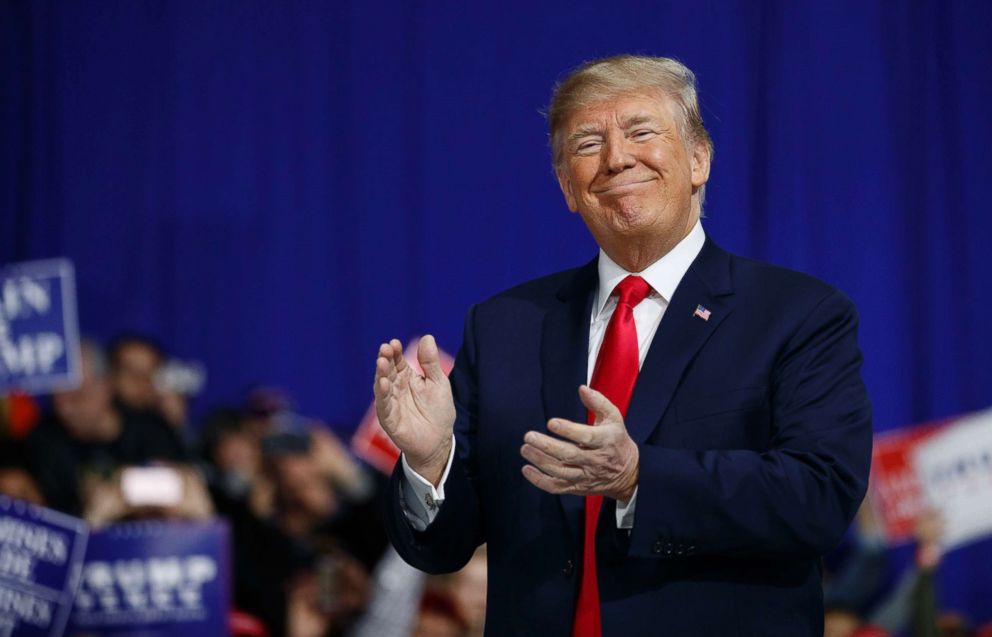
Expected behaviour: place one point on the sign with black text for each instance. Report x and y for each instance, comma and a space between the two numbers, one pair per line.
39, 335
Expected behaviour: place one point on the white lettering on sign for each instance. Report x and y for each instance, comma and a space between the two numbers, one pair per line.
16, 564
27, 608
23, 296
32, 353
145, 584
39, 542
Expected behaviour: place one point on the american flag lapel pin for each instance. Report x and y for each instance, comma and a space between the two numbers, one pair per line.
702, 313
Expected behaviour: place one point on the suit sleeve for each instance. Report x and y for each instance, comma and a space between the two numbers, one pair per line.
793, 499
448, 543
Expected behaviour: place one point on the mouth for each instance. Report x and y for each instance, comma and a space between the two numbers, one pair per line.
618, 187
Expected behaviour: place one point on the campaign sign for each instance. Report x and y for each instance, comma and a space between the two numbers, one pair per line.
894, 490
41, 556
955, 470
39, 335
154, 579
370, 442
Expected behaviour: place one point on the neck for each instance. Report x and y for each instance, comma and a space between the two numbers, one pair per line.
636, 254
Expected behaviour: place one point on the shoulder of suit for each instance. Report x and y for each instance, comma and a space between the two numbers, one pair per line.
766, 280
539, 291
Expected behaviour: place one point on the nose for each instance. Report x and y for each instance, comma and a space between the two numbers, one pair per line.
618, 155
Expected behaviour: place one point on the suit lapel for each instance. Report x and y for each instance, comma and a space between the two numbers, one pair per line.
679, 337
564, 363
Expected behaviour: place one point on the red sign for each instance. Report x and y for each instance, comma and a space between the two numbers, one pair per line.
894, 489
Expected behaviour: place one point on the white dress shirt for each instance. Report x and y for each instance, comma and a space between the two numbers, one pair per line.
421, 499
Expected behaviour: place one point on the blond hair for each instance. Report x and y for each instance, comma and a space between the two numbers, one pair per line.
611, 77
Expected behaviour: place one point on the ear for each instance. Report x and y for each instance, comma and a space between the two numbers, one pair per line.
565, 183
700, 164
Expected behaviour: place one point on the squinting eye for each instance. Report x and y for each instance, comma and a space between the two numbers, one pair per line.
641, 134
587, 147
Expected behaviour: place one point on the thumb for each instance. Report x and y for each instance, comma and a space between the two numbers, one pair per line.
600, 405
429, 359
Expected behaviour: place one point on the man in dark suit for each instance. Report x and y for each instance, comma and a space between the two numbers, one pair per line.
731, 431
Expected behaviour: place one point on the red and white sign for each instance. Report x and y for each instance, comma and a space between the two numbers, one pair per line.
894, 489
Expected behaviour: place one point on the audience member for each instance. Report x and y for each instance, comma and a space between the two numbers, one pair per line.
85, 433
134, 362
439, 617
17, 474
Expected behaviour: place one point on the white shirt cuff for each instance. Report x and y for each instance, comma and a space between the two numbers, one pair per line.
421, 500
625, 512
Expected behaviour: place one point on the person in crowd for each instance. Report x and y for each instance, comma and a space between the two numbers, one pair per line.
322, 494
731, 436
109, 500
135, 360
467, 589
85, 433
17, 474
439, 616
233, 462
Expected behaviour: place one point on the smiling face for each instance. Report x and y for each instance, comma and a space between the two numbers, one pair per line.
625, 170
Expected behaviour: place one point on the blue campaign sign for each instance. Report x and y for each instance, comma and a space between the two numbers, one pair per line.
39, 335
41, 557
154, 579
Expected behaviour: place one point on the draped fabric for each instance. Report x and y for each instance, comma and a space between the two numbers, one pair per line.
275, 187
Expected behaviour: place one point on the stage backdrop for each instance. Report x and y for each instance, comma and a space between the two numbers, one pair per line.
275, 187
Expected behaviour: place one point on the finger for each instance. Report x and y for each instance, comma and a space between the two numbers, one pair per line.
397, 355
599, 404
578, 433
549, 464
559, 449
429, 358
545, 482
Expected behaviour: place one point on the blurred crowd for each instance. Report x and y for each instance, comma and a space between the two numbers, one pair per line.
309, 552
862, 599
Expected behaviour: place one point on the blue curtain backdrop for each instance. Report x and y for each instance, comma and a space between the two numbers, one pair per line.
275, 187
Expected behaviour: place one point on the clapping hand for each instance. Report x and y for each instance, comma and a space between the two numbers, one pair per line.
416, 411
599, 460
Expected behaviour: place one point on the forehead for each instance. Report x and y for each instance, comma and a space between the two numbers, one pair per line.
621, 110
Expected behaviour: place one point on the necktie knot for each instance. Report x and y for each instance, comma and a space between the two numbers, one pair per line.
632, 290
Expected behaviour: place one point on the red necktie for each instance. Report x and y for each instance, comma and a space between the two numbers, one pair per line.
614, 376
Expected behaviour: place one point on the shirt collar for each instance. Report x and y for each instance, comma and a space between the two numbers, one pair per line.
663, 275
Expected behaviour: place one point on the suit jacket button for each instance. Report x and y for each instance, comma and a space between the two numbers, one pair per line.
569, 568
657, 548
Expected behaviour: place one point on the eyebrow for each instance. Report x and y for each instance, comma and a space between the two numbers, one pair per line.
593, 128
636, 119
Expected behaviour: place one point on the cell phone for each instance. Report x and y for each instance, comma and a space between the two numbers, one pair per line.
152, 486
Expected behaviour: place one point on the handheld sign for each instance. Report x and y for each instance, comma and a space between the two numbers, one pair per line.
955, 470
155, 579
39, 335
41, 556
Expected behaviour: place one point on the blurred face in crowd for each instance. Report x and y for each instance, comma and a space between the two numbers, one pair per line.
134, 375
627, 172
302, 487
87, 411
18, 484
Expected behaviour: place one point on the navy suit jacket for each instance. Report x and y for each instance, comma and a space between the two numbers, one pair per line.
754, 432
